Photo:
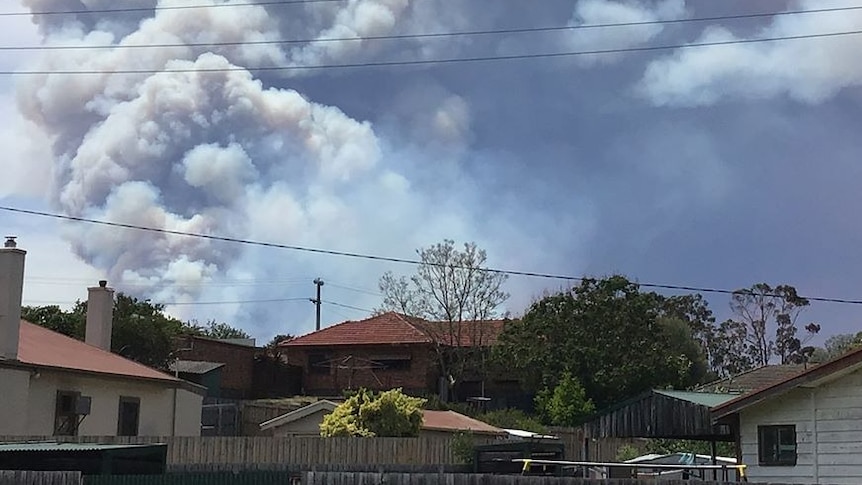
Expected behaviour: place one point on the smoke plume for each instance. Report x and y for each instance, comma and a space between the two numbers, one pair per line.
232, 154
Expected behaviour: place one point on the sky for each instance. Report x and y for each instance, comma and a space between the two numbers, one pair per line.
716, 166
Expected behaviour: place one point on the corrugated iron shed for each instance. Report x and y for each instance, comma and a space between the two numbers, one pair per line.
55, 446
195, 366
662, 414
87, 458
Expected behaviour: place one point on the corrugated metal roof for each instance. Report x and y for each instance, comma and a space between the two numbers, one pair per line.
195, 366
40, 346
451, 421
703, 398
755, 379
54, 446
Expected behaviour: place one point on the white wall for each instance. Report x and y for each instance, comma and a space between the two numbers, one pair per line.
828, 424
14, 389
189, 407
306, 426
156, 412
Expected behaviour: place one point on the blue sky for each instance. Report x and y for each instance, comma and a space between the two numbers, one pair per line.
719, 166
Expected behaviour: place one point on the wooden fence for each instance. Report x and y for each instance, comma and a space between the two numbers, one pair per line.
430, 450
426, 450
39, 478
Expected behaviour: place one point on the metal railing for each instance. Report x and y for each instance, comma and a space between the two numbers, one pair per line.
720, 472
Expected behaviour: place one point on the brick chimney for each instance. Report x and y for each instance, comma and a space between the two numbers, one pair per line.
100, 313
11, 287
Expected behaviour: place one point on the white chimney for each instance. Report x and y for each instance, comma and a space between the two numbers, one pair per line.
100, 312
11, 287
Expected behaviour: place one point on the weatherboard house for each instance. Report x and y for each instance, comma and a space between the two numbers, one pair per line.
54, 385
806, 428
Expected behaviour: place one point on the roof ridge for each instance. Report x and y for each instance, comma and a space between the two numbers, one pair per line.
339, 324
404, 318
827, 368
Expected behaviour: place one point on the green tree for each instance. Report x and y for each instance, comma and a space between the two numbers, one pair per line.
763, 309
836, 346
54, 318
214, 329
512, 419
451, 288
616, 340
273, 350
390, 413
566, 404
141, 330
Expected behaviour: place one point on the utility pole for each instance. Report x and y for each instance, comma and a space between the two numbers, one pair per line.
317, 282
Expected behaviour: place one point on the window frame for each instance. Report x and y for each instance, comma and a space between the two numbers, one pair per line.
770, 436
128, 400
394, 363
70, 417
314, 359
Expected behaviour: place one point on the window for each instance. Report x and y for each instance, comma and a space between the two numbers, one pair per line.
776, 445
318, 364
128, 416
394, 363
65, 415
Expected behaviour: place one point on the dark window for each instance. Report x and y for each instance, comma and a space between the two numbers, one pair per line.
65, 417
318, 364
394, 364
128, 416
776, 445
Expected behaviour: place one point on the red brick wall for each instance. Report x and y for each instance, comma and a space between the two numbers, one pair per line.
237, 374
354, 373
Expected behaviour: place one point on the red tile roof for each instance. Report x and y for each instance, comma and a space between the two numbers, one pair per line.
395, 328
450, 421
470, 334
755, 379
387, 328
42, 347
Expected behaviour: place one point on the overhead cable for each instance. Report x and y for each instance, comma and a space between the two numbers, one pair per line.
271, 3
424, 62
430, 35
391, 259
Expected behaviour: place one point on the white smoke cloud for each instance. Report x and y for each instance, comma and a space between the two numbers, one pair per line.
589, 12
806, 70
227, 153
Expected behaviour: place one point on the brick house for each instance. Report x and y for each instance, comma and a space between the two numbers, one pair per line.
392, 350
237, 374
246, 372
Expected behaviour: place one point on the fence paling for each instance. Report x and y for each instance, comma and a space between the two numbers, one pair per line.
39, 478
316, 450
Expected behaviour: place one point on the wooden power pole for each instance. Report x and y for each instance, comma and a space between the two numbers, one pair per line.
317, 302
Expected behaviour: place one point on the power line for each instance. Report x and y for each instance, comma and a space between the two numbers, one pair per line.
456, 60
239, 302
177, 283
166, 7
430, 35
357, 290
342, 305
391, 259
182, 303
